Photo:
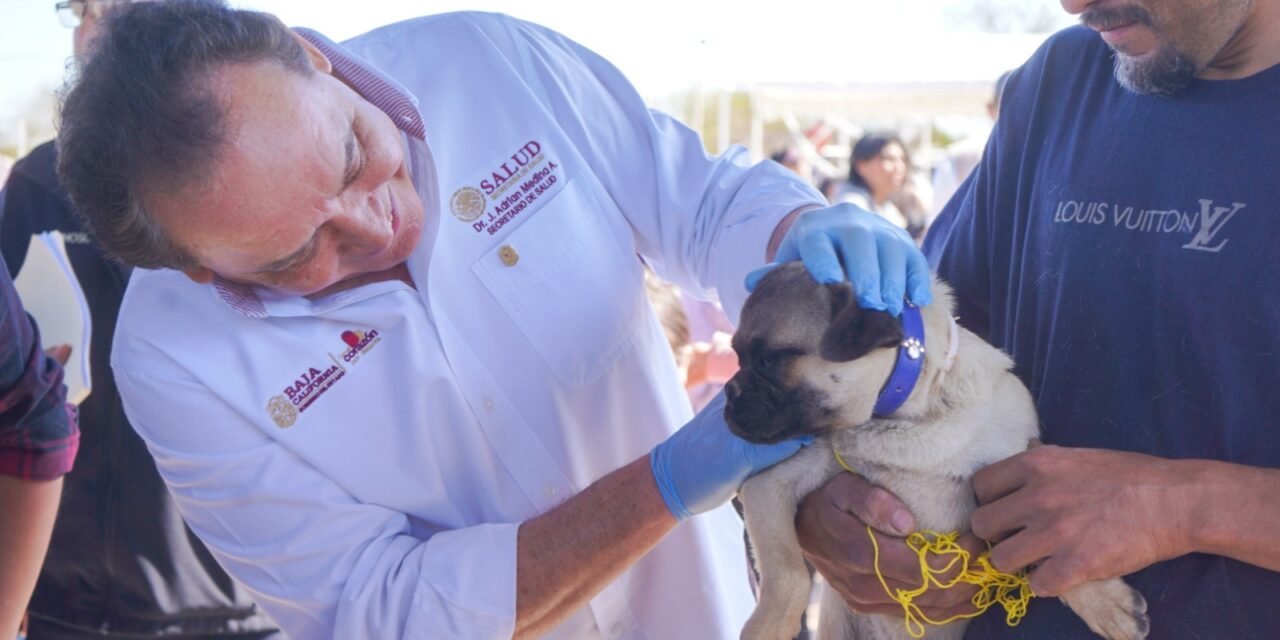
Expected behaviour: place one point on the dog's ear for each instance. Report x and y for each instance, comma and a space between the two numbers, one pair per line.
853, 331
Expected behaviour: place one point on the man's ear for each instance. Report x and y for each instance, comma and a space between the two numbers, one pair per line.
200, 275
854, 332
317, 57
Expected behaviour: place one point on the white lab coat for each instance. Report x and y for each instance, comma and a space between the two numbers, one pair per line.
424, 425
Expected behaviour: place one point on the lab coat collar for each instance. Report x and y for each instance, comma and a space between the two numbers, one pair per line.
383, 91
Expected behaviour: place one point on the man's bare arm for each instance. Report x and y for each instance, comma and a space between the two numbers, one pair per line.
567, 555
1238, 513
29, 508
1088, 514
780, 231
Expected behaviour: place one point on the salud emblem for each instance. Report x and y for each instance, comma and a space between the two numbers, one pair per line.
467, 203
282, 412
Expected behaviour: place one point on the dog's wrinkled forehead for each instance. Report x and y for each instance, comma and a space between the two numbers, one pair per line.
788, 311
788, 307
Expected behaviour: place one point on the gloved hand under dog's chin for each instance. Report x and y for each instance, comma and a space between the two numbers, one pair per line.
880, 258
701, 466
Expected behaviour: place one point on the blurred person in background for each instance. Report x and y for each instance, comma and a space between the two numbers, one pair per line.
914, 201
993, 105
878, 169
712, 360
830, 186
699, 334
121, 563
792, 158
959, 159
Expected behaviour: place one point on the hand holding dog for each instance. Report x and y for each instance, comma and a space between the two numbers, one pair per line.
879, 257
1082, 514
831, 525
702, 465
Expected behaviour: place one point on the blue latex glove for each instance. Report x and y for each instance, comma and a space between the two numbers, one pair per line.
880, 258
702, 465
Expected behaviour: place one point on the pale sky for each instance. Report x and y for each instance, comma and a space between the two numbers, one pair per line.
664, 46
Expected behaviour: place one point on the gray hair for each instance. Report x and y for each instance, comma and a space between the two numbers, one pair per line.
142, 118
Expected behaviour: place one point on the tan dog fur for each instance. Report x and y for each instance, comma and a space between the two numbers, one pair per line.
955, 422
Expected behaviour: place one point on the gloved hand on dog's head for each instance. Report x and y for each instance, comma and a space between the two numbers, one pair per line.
880, 258
701, 466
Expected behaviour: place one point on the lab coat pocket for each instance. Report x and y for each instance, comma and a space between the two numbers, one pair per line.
570, 279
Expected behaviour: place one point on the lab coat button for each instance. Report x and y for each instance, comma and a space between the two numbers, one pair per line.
549, 491
508, 255
488, 404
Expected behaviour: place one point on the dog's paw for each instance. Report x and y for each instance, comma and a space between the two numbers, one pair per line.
1113, 609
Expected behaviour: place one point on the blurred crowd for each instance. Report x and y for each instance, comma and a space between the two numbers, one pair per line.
879, 175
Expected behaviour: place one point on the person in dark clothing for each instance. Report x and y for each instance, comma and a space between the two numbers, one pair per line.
121, 562
1119, 241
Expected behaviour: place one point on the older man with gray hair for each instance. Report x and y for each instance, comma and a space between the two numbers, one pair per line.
393, 352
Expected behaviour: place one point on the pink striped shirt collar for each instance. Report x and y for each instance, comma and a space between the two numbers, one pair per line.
372, 86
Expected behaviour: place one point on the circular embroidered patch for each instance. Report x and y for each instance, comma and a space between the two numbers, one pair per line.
467, 203
282, 412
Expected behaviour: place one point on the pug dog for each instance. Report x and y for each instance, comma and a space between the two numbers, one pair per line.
813, 362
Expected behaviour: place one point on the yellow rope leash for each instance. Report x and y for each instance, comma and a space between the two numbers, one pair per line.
1011, 591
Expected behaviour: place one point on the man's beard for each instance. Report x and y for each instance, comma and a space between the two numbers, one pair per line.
1165, 72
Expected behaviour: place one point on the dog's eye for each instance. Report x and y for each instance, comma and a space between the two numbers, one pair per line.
766, 360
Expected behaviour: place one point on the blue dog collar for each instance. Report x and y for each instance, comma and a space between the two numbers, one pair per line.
906, 370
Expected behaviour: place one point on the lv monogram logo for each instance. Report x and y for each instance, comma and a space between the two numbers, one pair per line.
1212, 220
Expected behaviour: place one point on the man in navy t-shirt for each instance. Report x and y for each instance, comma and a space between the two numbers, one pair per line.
1121, 239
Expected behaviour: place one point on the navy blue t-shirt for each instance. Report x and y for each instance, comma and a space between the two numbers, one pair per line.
1125, 249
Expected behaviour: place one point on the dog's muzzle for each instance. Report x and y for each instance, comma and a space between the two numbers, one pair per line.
760, 412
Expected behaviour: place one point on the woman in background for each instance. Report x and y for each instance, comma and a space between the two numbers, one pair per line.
877, 171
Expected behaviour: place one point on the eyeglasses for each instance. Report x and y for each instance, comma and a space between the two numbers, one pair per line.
71, 13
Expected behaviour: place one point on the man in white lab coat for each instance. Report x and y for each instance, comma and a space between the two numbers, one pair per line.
394, 356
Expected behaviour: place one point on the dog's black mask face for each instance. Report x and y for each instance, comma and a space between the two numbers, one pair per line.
798, 344
765, 402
